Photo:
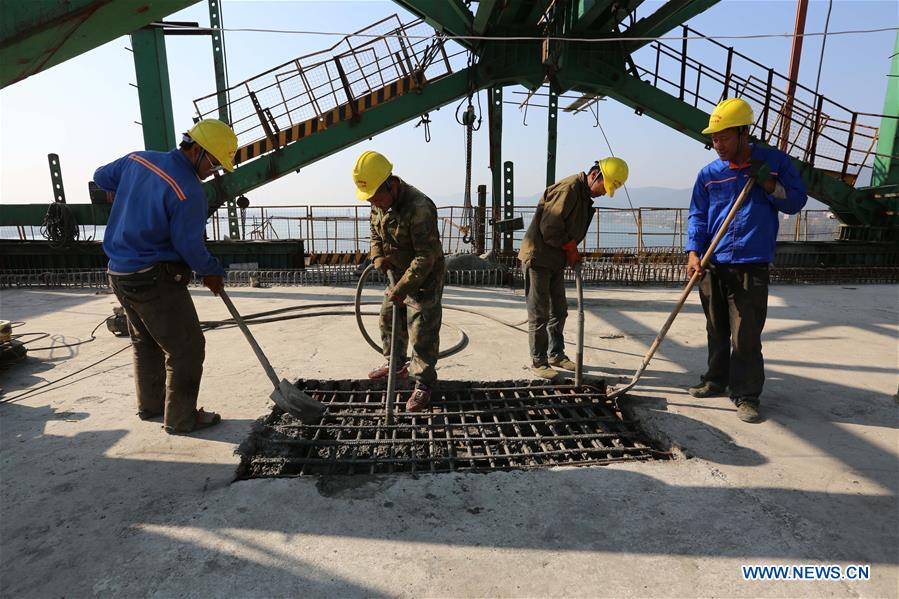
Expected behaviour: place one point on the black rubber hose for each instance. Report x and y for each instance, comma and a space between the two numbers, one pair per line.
459, 346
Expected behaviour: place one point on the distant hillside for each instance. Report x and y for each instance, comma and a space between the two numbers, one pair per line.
649, 197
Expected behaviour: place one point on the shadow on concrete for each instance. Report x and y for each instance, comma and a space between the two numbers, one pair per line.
26, 304
79, 511
80, 506
694, 438
812, 414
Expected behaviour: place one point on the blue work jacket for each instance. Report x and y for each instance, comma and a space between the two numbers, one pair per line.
752, 235
158, 215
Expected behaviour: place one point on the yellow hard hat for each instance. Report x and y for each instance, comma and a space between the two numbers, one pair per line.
733, 112
218, 139
614, 174
369, 172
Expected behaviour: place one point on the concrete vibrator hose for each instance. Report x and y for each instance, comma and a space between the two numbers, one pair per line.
459, 346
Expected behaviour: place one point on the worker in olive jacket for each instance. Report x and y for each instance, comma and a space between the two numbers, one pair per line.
560, 223
405, 240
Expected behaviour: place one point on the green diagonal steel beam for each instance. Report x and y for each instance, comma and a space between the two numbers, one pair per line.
38, 34
886, 168
666, 18
450, 17
484, 16
345, 134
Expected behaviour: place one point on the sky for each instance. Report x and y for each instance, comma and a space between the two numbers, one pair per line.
86, 109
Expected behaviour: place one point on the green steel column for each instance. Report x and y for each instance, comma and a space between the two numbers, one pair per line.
221, 86
218, 59
552, 127
154, 94
495, 115
886, 169
508, 204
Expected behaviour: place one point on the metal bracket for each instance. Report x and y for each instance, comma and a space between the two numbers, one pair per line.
59, 192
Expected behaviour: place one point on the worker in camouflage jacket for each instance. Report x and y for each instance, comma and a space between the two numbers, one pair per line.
560, 223
405, 241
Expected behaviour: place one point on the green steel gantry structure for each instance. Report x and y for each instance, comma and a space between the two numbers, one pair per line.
510, 42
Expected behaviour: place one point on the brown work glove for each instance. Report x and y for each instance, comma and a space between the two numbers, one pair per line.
572, 256
382, 264
215, 283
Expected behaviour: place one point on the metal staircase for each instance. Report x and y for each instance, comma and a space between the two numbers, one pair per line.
311, 93
832, 145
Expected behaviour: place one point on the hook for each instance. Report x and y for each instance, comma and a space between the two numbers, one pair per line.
427, 123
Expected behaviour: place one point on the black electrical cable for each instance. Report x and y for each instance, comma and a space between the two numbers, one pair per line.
93, 337
41, 335
60, 227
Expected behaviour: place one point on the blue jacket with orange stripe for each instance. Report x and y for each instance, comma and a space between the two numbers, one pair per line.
159, 213
752, 235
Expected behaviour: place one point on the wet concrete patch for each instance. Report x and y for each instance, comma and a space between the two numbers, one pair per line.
471, 426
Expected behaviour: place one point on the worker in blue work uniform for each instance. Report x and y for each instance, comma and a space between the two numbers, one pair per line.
154, 240
734, 290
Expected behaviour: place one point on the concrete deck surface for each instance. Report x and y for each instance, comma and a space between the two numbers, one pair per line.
96, 502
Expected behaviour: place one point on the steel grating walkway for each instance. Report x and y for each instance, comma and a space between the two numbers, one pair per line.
500, 425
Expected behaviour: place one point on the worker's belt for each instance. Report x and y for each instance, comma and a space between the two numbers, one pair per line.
177, 272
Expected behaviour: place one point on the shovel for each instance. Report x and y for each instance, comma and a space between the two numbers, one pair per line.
286, 396
686, 292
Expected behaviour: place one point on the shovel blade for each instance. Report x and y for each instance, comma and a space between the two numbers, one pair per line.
296, 403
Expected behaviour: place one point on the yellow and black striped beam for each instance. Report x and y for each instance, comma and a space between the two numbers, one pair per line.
344, 112
337, 258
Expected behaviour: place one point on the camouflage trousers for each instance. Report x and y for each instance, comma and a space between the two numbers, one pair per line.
419, 322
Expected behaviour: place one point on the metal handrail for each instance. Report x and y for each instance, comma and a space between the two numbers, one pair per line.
816, 133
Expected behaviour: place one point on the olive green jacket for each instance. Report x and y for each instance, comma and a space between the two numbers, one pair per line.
406, 235
563, 214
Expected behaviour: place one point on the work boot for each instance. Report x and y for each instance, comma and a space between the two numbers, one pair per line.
420, 400
202, 420
149, 415
544, 371
748, 411
706, 389
381, 371
563, 362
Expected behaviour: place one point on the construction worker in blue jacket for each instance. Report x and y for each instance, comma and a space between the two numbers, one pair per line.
154, 239
734, 290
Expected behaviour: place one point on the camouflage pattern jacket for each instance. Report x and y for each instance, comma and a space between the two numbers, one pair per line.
406, 235
564, 213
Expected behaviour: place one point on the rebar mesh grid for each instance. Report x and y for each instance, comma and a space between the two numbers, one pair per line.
471, 426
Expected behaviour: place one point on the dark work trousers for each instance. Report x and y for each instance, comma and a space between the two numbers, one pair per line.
168, 343
547, 311
419, 321
735, 300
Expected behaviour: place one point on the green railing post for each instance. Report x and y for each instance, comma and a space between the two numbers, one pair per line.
552, 126
495, 115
